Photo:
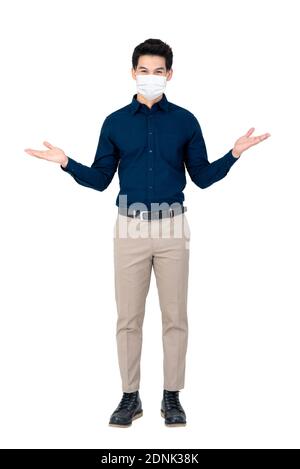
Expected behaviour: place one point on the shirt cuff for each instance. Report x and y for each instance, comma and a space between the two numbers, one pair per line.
231, 159
70, 165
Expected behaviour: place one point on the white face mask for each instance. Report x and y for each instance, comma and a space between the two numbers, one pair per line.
151, 86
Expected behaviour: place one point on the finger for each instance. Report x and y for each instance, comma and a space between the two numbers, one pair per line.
250, 131
259, 138
39, 154
48, 145
263, 136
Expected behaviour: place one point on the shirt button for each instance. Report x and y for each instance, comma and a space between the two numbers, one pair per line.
150, 151
150, 132
150, 169
150, 187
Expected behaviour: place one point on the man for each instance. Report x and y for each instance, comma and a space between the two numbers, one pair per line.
151, 141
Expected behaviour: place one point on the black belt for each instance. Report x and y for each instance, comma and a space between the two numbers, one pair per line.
152, 214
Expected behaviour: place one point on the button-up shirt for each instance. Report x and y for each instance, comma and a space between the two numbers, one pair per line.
150, 147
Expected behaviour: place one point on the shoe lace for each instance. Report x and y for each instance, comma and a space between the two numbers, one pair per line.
128, 401
171, 399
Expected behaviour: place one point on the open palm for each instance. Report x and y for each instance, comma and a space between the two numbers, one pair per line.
54, 154
246, 141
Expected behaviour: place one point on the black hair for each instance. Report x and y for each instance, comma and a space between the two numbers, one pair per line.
153, 47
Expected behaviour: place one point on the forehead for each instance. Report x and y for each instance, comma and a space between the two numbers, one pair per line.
151, 62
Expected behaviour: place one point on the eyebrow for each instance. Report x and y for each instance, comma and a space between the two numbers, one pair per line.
158, 68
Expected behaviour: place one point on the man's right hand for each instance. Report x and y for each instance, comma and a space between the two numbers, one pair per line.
54, 154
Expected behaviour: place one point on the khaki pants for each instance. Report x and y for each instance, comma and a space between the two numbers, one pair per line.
139, 245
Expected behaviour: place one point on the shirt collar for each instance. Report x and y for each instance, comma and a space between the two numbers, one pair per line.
163, 103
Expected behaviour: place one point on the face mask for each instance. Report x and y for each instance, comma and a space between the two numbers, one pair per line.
151, 86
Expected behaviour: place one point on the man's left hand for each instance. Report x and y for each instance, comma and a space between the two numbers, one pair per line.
246, 141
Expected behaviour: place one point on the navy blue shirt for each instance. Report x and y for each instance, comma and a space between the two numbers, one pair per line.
151, 149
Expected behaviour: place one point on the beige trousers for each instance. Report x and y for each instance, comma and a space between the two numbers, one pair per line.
140, 245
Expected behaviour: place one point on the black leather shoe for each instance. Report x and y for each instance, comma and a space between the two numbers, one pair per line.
129, 409
172, 410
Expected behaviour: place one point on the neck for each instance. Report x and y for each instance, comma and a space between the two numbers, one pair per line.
141, 98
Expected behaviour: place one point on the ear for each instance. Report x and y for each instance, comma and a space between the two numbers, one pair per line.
133, 73
170, 74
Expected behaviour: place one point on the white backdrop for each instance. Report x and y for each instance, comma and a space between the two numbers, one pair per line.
65, 66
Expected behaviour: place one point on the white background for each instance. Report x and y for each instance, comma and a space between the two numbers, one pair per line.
65, 65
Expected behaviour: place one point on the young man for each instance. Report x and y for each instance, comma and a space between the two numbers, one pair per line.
151, 141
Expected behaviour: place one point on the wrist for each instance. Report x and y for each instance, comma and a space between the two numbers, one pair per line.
235, 153
65, 161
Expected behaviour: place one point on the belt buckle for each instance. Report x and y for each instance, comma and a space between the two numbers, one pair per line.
141, 214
